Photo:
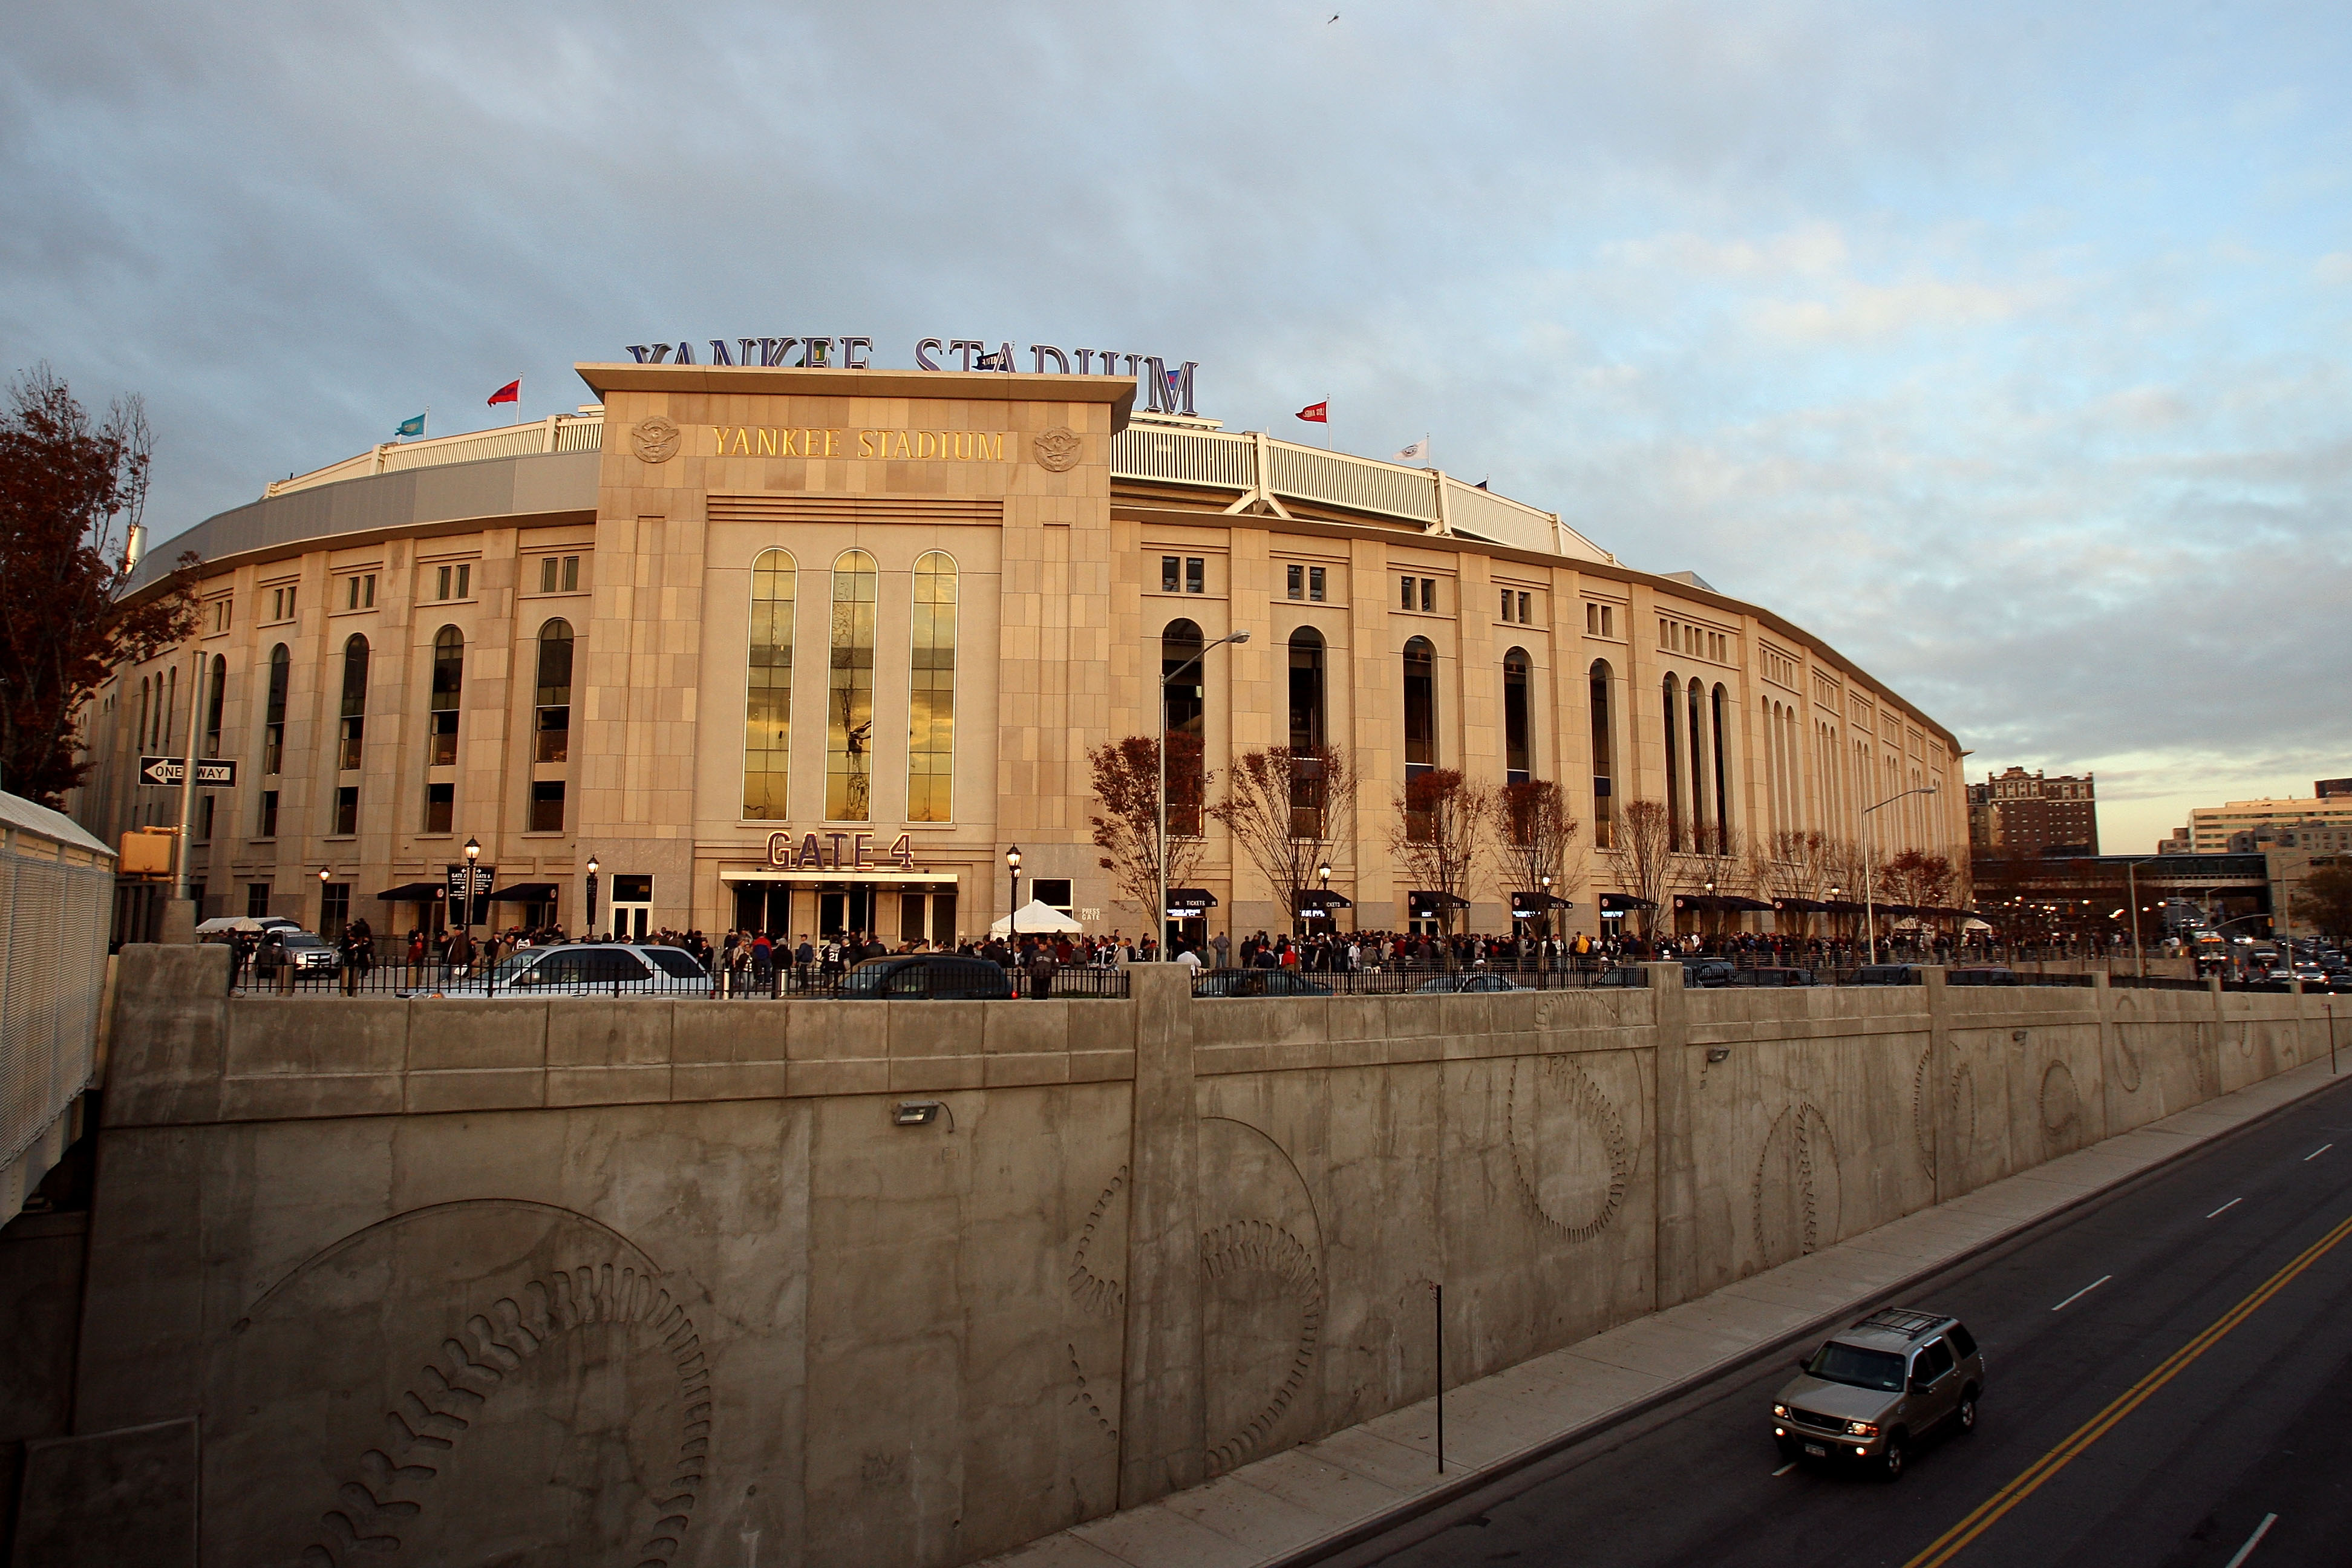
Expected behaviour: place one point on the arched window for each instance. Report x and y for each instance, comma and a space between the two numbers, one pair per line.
1701, 822
552, 723
931, 695
1420, 708
1675, 817
140, 722
1518, 719
1185, 708
1604, 781
768, 695
1305, 689
849, 694
1722, 774
441, 707
553, 696
273, 724
355, 710
213, 704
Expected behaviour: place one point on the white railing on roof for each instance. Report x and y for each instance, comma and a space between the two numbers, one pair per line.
1252, 464
557, 433
1259, 467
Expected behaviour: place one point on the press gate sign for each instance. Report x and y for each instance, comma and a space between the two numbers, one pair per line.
211, 774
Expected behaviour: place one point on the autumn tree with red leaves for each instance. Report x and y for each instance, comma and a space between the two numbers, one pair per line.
69, 491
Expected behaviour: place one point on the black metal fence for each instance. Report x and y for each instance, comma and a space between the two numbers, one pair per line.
432, 978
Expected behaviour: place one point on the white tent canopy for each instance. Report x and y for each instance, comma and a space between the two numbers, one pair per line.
245, 923
1034, 919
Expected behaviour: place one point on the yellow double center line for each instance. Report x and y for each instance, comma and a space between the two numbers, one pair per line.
1946, 1546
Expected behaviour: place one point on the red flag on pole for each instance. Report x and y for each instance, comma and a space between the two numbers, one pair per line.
1317, 413
511, 393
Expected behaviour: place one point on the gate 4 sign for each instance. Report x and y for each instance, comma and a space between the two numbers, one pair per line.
211, 774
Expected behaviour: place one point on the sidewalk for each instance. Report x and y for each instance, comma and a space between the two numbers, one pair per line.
1324, 1496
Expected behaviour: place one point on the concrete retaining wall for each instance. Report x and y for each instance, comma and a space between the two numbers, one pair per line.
550, 1282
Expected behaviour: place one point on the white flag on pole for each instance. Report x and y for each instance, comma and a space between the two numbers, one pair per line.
1416, 453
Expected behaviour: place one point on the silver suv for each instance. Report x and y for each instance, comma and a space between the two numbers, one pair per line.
1871, 1393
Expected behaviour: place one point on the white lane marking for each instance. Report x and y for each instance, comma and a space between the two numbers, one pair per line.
2316, 1154
2225, 1209
2254, 1540
1786, 1468
2083, 1292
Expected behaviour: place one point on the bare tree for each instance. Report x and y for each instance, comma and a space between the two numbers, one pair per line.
1716, 866
1640, 854
1126, 782
1287, 811
1916, 877
65, 625
1538, 838
1441, 829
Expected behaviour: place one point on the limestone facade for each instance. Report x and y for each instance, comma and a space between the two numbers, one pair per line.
1078, 536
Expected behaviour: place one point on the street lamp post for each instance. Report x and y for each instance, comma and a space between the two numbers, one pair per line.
473, 858
1159, 844
1869, 872
592, 897
1013, 910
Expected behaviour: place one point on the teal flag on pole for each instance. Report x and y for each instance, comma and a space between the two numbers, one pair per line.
412, 426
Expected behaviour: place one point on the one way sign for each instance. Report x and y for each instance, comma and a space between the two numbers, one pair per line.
210, 773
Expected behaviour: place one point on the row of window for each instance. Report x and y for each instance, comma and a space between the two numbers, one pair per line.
849, 688
454, 581
1681, 637
1599, 620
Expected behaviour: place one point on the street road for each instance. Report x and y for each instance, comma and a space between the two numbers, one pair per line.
2087, 1313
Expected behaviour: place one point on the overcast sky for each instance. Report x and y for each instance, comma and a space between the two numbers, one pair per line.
2003, 346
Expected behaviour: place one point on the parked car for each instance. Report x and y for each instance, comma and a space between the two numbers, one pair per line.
1869, 1395
1257, 983
1452, 983
1888, 975
1706, 974
1624, 974
1983, 974
587, 969
929, 976
1768, 975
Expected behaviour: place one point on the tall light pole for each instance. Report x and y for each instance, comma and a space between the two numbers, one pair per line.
1013, 910
473, 855
1159, 844
1869, 872
591, 898
2131, 886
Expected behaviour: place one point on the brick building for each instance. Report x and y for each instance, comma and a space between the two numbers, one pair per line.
2029, 814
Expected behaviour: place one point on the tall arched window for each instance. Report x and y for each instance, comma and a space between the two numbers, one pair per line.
551, 723
1518, 719
1305, 689
1604, 781
768, 695
1185, 706
553, 695
930, 696
213, 704
1716, 699
1420, 708
1702, 822
273, 723
1675, 817
140, 723
355, 710
849, 693
441, 707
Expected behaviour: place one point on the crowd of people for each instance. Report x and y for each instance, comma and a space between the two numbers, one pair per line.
752, 962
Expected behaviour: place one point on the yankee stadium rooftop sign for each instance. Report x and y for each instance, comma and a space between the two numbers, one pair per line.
1166, 391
